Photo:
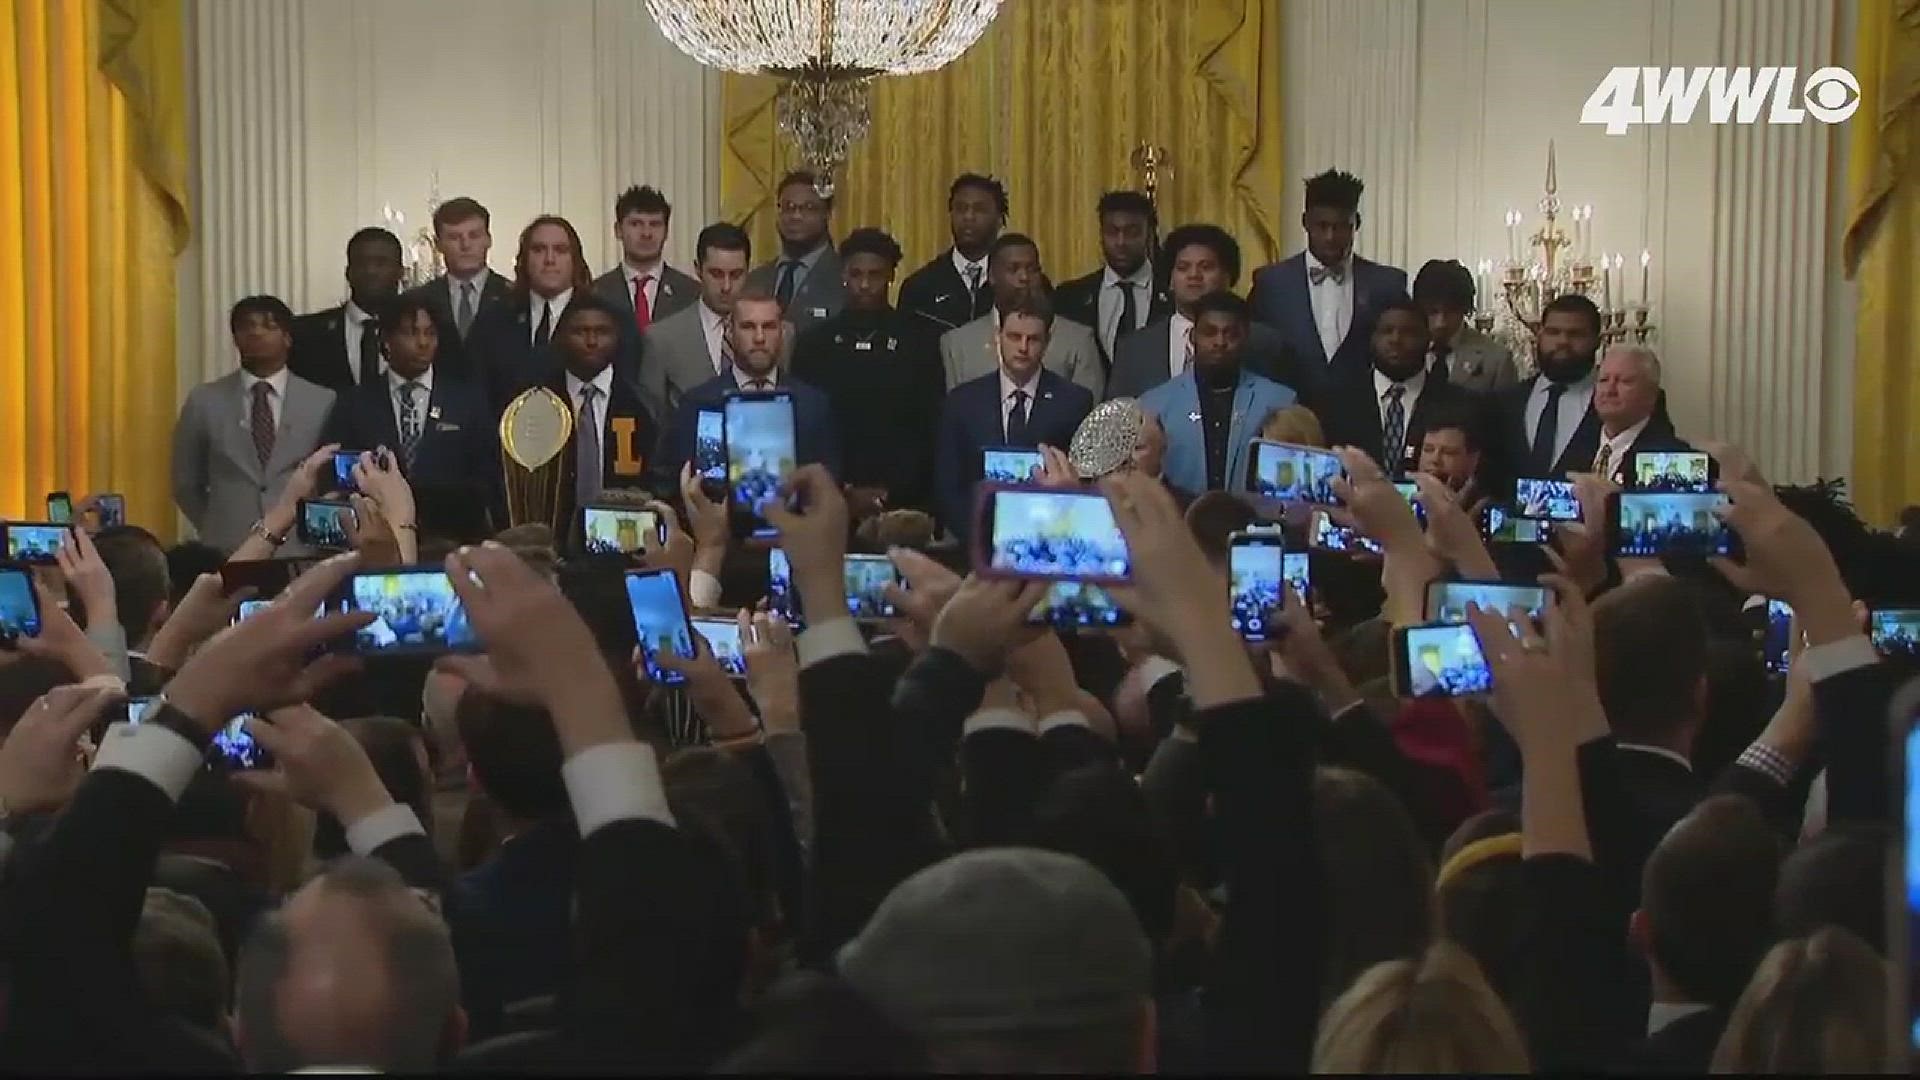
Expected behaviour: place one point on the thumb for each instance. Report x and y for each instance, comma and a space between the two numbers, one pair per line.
475, 671
267, 734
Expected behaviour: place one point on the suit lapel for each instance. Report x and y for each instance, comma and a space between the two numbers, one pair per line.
384, 420
1294, 295
294, 413
232, 427
1236, 438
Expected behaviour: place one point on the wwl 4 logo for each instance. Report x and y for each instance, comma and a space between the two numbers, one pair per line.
1734, 96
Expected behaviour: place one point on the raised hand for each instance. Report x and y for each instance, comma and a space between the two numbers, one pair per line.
1452, 532
986, 619
929, 587
1579, 552
1544, 686
725, 715
677, 552
199, 615
707, 519
1374, 505
43, 759
773, 670
372, 535
88, 577
1786, 559
61, 641
1056, 469
815, 540
317, 764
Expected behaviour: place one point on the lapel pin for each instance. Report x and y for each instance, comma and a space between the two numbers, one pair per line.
433, 412
891, 343
1193, 417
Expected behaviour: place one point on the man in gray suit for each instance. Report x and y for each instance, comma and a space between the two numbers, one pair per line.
1471, 359
806, 276
691, 347
641, 217
240, 437
972, 349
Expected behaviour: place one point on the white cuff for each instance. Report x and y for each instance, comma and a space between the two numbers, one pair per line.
703, 589
1838, 657
613, 782
1155, 668
1183, 733
1065, 718
1342, 713
388, 823
827, 639
997, 718
154, 753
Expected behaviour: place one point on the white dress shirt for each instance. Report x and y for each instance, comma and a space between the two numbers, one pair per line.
1573, 409
1617, 447
1179, 345
961, 264
398, 399
1007, 387
800, 273
649, 277
1662, 1014
357, 321
1332, 305
277, 399
602, 382
537, 304
1111, 301
743, 380
1409, 395
714, 325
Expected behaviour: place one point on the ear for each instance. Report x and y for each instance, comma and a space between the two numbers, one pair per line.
1640, 932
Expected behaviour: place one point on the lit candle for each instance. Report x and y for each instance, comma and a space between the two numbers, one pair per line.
1606, 283
1513, 236
1484, 281
1646, 259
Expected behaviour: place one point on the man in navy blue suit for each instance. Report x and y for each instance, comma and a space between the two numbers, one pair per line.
1019, 404
1323, 300
758, 336
439, 426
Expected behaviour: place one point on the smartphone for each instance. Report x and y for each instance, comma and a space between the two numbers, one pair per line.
1411, 492
418, 612
234, 749
1049, 534
248, 609
60, 508
1447, 600
620, 530
867, 578
1895, 630
1546, 500
324, 524
1011, 465
659, 621
760, 449
1072, 605
710, 453
1289, 472
1257, 595
34, 541
110, 510
19, 606
343, 463
1501, 525
1672, 471
1439, 660
1903, 888
1776, 641
723, 637
782, 600
1648, 524
1298, 568
1329, 535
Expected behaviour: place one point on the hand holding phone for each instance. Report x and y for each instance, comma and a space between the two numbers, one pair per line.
1651, 524
1290, 472
761, 452
60, 508
1011, 465
660, 622
620, 530
1672, 472
19, 606
867, 578
415, 613
1049, 535
1439, 660
723, 638
1257, 582
326, 525
35, 542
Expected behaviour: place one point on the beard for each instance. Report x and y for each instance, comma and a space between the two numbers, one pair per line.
1566, 369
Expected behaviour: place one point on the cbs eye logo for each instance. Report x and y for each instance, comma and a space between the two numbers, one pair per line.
1831, 94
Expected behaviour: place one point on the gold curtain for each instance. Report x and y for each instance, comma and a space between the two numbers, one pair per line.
92, 212
1052, 100
1882, 248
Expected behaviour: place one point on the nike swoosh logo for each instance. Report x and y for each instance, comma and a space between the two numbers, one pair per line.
941, 298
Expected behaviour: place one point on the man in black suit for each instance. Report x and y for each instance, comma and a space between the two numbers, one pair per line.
1201, 260
1322, 300
614, 437
953, 289
438, 425
1626, 398
641, 217
1547, 423
463, 234
511, 344
1650, 640
339, 348
1020, 404
1386, 411
1125, 294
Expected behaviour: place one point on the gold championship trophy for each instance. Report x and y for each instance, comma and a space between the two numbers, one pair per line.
534, 433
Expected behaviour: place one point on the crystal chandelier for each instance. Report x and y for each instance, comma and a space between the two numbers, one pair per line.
828, 51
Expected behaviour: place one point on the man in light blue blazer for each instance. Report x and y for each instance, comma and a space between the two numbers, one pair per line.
1214, 410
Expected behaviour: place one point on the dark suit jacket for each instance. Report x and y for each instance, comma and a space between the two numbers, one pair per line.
459, 447
1079, 300
439, 293
1515, 442
514, 927
1682, 1048
320, 349
970, 420
813, 431
1349, 411
1279, 299
674, 292
937, 293
821, 294
628, 442
1141, 362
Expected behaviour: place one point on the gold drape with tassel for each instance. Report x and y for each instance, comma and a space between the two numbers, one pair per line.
1052, 100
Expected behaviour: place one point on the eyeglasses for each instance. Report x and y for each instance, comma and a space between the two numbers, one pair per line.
803, 208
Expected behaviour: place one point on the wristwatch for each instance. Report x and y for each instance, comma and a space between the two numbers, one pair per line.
161, 713
259, 529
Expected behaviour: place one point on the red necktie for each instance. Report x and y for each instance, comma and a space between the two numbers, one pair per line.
642, 311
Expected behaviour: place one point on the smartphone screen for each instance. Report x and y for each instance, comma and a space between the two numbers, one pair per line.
1896, 632
723, 637
343, 463
1011, 465
34, 542
1447, 600
19, 606
111, 509
1903, 931
1439, 660
760, 449
1298, 568
1500, 525
324, 524
418, 613
1411, 492
1071, 605
1256, 567
1776, 641
1325, 533
659, 621
781, 598
248, 609
867, 578
234, 748
1051, 535
710, 446
1674, 472
60, 508
620, 530
1650, 524
1546, 500
1286, 472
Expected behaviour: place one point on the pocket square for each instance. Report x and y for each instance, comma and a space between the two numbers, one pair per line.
446, 426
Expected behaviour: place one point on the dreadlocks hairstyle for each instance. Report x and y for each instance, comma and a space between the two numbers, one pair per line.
1339, 190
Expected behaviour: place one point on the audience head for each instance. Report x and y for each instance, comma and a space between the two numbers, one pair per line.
1220, 322
976, 212
1399, 340
1013, 268
514, 756
1009, 959
1569, 338
1377, 876
462, 231
1443, 290
1430, 1014
374, 266
814, 1023
176, 949
758, 332
1026, 324
1627, 388
1450, 449
868, 259
1213, 518
1201, 259
1835, 879
641, 216
142, 586
587, 335
715, 791
354, 969
1332, 215
1482, 898
1127, 225
721, 255
186, 561
1817, 1006
1705, 902
1097, 813
409, 336
262, 333
550, 259
1294, 424
802, 221
1650, 648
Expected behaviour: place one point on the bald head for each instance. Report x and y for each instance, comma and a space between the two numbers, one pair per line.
1627, 387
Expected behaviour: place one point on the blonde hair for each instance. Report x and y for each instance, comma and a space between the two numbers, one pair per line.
1294, 424
1435, 1014
1816, 1005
